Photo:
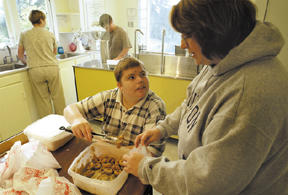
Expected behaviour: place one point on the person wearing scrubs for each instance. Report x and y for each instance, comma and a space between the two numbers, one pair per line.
233, 124
119, 43
41, 49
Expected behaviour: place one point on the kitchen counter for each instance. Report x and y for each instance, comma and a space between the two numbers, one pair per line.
16, 70
111, 68
75, 55
175, 67
8, 72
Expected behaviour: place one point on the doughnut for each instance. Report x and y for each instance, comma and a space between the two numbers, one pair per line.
108, 171
90, 165
97, 165
117, 172
112, 160
106, 165
105, 160
116, 167
89, 173
121, 163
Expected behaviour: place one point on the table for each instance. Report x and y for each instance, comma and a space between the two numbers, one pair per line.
67, 153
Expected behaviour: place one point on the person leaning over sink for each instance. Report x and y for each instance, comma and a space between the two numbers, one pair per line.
41, 49
233, 125
119, 43
128, 110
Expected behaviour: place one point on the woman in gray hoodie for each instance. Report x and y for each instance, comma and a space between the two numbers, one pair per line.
233, 125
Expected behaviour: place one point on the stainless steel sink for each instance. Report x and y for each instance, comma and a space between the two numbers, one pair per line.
93, 63
174, 66
13, 66
67, 55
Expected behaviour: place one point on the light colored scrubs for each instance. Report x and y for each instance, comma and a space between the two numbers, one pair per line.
39, 45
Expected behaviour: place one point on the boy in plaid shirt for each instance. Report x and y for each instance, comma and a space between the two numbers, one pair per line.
128, 110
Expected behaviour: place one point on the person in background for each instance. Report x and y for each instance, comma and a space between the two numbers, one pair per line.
41, 49
232, 127
128, 110
119, 43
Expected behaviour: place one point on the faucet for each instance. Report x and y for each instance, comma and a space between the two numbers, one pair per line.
10, 56
135, 40
162, 52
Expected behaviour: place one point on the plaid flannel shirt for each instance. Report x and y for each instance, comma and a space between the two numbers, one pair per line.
120, 121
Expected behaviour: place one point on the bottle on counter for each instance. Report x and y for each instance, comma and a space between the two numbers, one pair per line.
60, 50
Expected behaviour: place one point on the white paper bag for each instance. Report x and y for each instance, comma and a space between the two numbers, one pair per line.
33, 154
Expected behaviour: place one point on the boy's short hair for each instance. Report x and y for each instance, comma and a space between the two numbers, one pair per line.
35, 16
105, 19
125, 64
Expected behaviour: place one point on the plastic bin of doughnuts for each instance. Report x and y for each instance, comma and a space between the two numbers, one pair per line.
98, 169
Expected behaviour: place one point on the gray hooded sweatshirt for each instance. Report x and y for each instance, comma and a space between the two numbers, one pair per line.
232, 127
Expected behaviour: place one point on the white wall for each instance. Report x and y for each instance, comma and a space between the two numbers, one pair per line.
118, 10
277, 14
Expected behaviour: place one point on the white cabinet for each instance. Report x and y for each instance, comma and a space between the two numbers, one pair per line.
67, 76
16, 103
68, 82
68, 15
85, 58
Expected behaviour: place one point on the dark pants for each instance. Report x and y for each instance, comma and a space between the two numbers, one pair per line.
149, 190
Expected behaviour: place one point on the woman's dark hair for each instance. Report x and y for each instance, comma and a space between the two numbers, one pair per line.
105, 19
217, 25
35, 16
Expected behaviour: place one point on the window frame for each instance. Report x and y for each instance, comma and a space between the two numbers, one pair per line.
145, 18
84, 16
12, 21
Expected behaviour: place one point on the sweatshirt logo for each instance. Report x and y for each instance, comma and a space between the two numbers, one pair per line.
191, 99
192, 118
194, 113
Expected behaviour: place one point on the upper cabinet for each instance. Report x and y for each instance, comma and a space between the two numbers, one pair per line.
68, 15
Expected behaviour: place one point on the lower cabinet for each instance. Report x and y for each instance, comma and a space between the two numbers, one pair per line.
68, 82
172, 91
67, 76
92, 81
17, 105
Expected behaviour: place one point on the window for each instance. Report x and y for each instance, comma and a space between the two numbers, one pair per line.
4, 36
24, 8
14, 18
93, 10
153, 19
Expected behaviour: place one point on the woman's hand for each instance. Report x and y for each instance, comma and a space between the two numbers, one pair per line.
147, 137
82, 129
131, 162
